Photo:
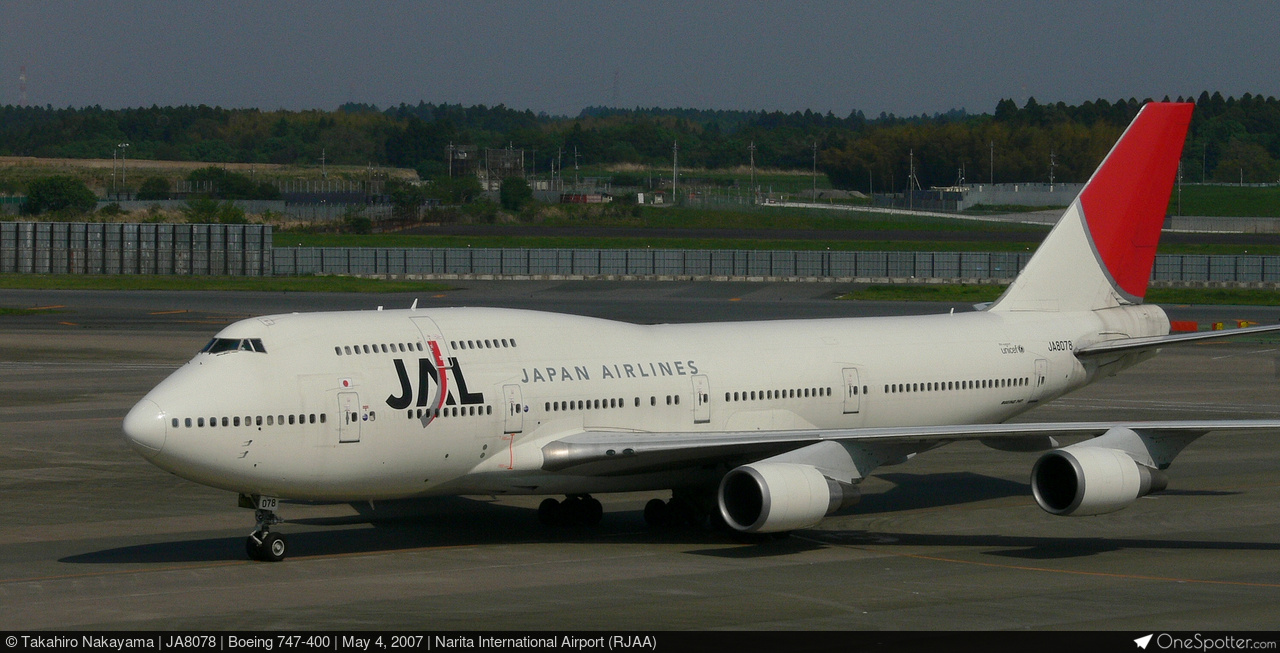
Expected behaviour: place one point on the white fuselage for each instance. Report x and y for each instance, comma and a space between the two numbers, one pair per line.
310, 418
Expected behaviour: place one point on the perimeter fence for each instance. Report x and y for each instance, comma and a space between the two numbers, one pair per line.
998, 266
246, 250
125, 248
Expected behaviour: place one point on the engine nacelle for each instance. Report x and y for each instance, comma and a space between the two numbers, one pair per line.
1090, 480
769, 497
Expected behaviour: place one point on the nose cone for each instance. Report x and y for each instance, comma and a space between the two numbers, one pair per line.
144, 428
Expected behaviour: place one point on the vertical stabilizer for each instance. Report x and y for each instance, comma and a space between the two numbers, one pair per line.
1101, 252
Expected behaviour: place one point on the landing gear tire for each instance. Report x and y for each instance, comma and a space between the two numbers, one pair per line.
266, 547
577, 509
592, 511
262, 544
656, 513
273, 548
549, 512
253, 547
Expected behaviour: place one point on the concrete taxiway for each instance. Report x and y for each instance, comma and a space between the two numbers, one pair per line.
92, 536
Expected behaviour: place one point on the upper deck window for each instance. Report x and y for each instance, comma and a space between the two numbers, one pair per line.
220, 345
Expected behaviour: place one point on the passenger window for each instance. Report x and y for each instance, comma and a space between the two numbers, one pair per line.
213, 421
401, 344
235, 422
373, 416
677, 400
200, 422
653, 401
224, 421
322, 418
291, 419
280, 420
504, 343
337, 350
311, 419
669, 400
175, 422
187, 422
513, 342
419, 346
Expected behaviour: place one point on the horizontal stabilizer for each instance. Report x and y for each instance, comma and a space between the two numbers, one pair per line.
1153, 342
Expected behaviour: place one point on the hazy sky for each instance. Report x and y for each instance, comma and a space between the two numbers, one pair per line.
900, 57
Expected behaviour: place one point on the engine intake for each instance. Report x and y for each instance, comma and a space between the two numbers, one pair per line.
775, 497
1090, 480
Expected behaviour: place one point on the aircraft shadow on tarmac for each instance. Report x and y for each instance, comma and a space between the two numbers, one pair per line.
919, 491
470, 521
1034, 547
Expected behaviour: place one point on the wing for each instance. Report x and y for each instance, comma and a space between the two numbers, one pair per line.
1154, 342
626, 452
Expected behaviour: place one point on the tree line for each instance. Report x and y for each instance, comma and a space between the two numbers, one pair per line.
1231, 140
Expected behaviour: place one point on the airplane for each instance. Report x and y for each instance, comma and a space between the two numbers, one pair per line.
765, 427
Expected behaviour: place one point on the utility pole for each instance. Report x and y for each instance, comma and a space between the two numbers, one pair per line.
324, 174
1053, 162
675, 169
1179, 188
752, 149
124, 180
450, 151
815, 171
911, 179
993, 163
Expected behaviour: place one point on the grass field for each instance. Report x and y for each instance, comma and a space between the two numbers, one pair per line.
1223, 201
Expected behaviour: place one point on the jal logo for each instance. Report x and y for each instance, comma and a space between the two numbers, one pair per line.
432, 385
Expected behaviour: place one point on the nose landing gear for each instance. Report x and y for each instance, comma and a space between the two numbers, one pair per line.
262, 544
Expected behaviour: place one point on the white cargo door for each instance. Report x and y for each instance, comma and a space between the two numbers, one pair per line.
852, 391
701, 399
1039, 380
515, 409
350, 418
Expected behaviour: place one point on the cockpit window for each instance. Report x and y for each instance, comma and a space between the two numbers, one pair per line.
220, 345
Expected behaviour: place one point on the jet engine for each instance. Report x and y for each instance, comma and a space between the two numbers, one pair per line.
767, 497
1091, 480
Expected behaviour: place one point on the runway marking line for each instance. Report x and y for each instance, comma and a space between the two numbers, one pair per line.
69, 323
169, 312
46, 308
1072, 572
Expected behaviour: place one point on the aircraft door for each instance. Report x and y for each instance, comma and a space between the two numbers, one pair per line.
852, 391
515, 409
349, 417
701, 399
1039, 380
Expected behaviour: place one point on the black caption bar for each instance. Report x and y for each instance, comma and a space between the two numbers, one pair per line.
636, 641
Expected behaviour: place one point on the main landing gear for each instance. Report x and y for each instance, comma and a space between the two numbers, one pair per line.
262, 544
575, 509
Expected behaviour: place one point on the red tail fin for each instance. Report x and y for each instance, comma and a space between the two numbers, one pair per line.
1126, 200
1101, 252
